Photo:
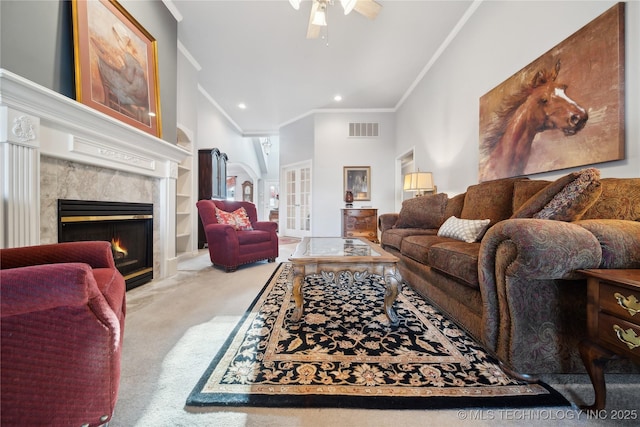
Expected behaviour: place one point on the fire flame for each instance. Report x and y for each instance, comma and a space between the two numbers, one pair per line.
115, 245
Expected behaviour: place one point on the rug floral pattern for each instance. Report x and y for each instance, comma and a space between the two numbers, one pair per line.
345, 347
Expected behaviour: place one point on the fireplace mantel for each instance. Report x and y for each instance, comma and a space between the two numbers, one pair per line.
73, 131
36, 121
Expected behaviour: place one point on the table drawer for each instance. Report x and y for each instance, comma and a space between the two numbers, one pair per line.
360, 223
365, 234
623, 335
620, 301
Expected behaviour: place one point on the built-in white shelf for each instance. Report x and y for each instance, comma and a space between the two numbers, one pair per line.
185, 207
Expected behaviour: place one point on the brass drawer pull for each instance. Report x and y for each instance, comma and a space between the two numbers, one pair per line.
628, 337
629, 303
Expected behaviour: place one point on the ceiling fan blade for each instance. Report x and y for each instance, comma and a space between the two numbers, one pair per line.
313, 31
368, 8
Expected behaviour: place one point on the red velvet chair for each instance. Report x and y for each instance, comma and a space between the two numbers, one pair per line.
229, 247
62, 322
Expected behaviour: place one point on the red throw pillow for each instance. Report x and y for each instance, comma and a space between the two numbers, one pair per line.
242, 220
227, 218
238, 219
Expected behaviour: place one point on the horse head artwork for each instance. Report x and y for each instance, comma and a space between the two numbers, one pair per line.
541, 105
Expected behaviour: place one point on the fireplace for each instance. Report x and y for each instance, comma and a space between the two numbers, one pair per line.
127, 226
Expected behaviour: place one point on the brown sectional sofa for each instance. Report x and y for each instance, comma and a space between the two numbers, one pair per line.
516, 289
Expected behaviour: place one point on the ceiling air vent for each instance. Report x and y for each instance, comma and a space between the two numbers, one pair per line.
363, 129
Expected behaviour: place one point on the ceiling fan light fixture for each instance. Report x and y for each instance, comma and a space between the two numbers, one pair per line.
347, 5
295, 4
320, 18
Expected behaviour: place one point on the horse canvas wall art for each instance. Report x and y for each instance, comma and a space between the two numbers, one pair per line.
565, 109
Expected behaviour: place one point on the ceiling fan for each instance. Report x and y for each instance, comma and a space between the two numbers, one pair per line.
318, 16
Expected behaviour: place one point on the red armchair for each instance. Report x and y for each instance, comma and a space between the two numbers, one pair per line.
229, 247
62, 322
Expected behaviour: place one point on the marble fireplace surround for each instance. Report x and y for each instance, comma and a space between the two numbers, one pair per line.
52, 147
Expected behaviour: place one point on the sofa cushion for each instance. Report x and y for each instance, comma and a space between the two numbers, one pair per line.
394, 236
491, 199
417, 247
559, 199
456, 259
454, 206
467, 230
422, 212
620, 199
524, 190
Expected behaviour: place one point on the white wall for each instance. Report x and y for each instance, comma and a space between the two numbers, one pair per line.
323, 138
440, 118
297, 141
216, 131
333, 150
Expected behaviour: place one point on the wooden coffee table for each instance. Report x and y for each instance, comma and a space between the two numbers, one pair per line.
343, 259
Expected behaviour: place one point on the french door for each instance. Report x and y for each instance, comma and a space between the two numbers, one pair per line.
297, 209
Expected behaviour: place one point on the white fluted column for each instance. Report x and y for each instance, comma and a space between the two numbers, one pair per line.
169, 265
19, 179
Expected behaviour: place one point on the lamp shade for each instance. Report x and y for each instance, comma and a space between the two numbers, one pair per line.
418, 181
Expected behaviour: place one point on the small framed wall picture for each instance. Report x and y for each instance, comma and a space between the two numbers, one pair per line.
357, 179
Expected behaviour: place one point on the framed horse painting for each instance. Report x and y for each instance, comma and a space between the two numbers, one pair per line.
563, 110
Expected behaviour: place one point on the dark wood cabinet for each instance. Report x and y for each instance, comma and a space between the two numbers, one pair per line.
212, 181
360, 223
613, 323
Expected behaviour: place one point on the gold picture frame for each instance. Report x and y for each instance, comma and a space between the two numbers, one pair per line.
116, 64
357, 179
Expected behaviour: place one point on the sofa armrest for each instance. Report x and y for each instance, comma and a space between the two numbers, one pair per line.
61, 346
221, 231
528, 251
387, 221
619, 240
545, 249
95, 253
269, 226
43, 287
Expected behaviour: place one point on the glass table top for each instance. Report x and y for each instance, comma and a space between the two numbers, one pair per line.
334, 247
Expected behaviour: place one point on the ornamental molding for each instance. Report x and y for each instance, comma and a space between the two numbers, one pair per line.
23, 128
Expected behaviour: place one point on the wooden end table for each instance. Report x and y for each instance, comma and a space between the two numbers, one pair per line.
352, 258
613, 323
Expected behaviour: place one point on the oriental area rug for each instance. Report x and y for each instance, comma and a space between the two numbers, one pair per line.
344, 354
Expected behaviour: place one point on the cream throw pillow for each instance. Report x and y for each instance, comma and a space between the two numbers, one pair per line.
467, 230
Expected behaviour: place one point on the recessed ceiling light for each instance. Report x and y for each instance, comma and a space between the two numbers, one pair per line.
242, 106
337, 98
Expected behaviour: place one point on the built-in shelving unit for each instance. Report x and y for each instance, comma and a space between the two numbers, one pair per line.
184, 198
